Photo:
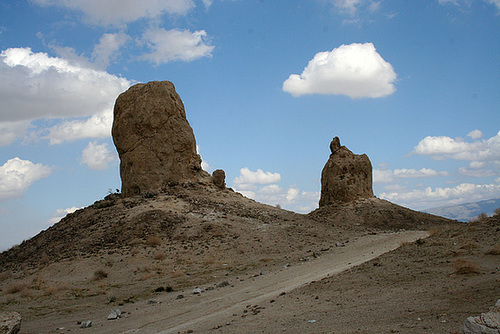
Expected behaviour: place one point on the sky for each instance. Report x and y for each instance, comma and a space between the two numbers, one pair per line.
266, 85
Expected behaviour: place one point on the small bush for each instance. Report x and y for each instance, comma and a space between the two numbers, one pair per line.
100, 274
5, 275
495, 250
480, 217
160, 256
465, 267
153, 241
103, 204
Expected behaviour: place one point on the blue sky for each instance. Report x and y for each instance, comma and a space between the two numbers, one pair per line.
266, 86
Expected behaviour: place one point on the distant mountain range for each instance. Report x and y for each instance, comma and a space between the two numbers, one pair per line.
467, 211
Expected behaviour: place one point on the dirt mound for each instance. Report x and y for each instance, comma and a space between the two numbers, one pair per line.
376, 213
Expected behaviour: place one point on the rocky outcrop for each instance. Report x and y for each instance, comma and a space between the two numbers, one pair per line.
219, 178
10, 322
486, 323
153, 138
345, 177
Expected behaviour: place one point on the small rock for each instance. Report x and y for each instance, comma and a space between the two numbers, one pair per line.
311, 321
180, 297
115, 314
339, 244
86, 324
152, 301
287, 265
223, 284
10, 322
197, 291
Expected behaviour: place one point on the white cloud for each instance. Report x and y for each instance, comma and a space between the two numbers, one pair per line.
443, 147
389, 176
494, 2
97, 126
107, 49
17, 175
262, 187
9, 131
173, 45
97, 156
429, 197
355, 70
60, 214
258, 177
349, 7
119, 12
475, 134
35, 86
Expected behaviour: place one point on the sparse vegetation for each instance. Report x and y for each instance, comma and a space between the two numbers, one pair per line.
497, 211
100, 274
480, 217
495, 250
160, 256
153, 241
465, 267
105, 203
17, 287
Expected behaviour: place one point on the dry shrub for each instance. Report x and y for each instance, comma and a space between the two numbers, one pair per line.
177, 274
135, 251
153, 241
160, 256
100, 274
465, 267
53, 289
497, 211
5, 275
265, 259
18, 287
480, 217
495, 250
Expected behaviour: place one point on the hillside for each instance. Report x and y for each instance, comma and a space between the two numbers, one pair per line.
467, 211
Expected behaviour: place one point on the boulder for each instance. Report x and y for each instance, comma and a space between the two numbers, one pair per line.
486, 323
153, 138
345, 177
219, 178
10, 322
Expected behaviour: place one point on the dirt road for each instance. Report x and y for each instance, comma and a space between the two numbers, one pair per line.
210, 309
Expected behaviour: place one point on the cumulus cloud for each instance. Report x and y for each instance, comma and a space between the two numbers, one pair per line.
97, 156
258, 177
60, 214
475, 134
442, 147
262, 187
97, 126
388, 176
432, 197
494, 2
35, 86
107, 48
175, 44
119, 12
355, 70
17, 175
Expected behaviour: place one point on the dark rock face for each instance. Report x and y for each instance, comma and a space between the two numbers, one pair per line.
219, 178
153, 138
346, 176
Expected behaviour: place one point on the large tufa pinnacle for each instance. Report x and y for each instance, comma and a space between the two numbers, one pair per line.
346, 176
153, 138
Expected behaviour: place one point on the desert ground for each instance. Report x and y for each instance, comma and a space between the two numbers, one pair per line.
367, 266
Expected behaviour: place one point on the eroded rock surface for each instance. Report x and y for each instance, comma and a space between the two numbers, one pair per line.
10, 322
153, 138
346, 176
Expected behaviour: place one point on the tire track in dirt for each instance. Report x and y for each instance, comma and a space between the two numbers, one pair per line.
210, 309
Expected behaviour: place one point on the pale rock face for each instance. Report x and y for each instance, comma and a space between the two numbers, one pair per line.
346, 176
153, 138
